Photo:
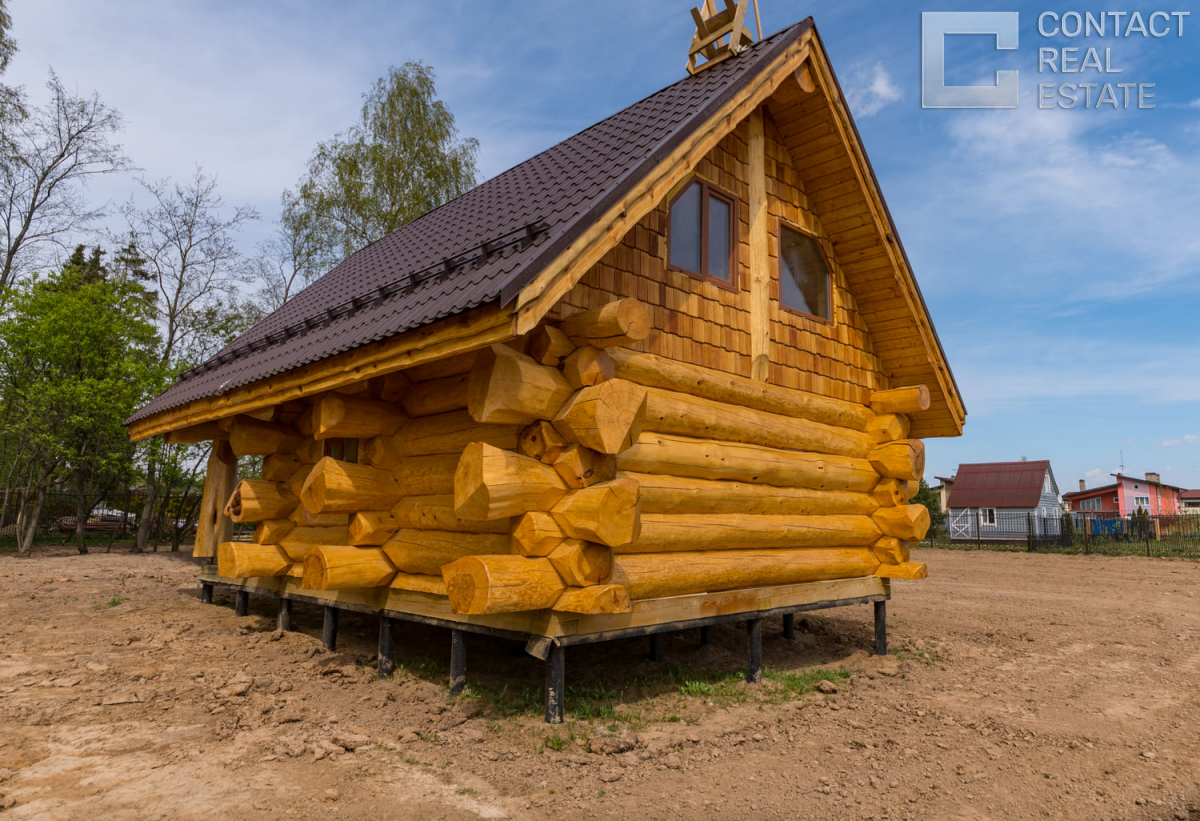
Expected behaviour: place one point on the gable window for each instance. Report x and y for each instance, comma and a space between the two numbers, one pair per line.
803, 274
701, 241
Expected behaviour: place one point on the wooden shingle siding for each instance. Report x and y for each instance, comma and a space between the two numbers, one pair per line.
699, 322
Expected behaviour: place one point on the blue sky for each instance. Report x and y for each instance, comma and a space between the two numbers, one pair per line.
1058, 250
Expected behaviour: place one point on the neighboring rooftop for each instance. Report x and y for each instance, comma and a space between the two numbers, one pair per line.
998, 484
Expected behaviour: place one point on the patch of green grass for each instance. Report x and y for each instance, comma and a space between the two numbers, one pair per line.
906, 653
468, 791
784, 685
493, 727
115, 601
556, 743
424, 666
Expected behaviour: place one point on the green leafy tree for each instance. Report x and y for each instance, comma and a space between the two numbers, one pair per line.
401, 160
933, 503
77, 356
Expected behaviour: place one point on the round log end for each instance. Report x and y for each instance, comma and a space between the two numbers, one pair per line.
316, 571
467, 586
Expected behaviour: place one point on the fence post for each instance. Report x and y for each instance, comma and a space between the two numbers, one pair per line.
1028, 532
1087, 527
978, 530
1146, 533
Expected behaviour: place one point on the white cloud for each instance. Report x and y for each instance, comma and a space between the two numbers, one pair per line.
1174, 443
1101, 208
870, 90
1094, 473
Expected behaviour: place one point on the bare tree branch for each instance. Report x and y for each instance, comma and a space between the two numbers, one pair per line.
46, 158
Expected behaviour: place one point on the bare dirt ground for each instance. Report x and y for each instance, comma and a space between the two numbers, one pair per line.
1024, 686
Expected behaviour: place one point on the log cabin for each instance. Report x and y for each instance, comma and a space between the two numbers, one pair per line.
672, 371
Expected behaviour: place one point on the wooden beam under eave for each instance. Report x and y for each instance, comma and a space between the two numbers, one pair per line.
204, 432
484, 326
760, 258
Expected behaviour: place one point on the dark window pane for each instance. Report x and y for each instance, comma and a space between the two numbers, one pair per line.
718, 238
685, 230
803, 277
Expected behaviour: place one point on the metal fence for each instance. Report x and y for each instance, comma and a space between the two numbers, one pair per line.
113, 518
1105, 533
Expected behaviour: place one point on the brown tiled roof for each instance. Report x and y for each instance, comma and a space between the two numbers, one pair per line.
998, 484
562, 190
1191, 494
1091, 491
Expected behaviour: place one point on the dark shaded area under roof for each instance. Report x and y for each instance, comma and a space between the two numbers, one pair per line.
998, 484
562, 189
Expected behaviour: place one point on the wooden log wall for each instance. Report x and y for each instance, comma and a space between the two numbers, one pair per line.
697, 321
568, 470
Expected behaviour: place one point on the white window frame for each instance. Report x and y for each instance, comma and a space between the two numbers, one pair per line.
1142, 502
986, 513
1094, 503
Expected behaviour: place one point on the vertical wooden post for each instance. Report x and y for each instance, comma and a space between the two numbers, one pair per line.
705, 636
241, 604
789, 626
329, 628
1028, 532
881, 628
754, 666
760, 257
458, 661
978, 530
556, 675
284, 619
206, 593
214, 527
656, 647
386, 666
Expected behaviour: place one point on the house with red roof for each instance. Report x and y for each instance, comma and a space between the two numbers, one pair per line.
1190, 501
1128, 495
1001, 501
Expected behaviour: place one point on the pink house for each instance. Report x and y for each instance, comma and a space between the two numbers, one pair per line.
1128, 495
